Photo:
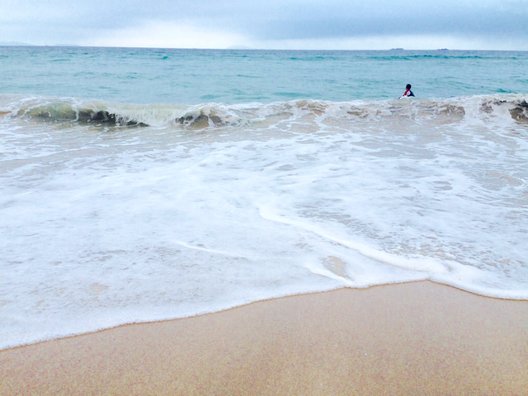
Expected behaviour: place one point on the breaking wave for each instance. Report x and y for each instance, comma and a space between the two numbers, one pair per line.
216, 115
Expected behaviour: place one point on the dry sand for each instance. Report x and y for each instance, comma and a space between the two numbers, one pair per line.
416, 338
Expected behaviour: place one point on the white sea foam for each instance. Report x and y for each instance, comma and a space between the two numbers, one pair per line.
103, 224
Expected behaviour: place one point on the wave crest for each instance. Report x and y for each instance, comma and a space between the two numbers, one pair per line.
214, 115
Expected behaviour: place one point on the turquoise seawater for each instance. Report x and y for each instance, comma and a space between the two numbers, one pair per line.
136, 75
146, 184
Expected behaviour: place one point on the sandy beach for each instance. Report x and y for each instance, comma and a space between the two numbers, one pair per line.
415, 338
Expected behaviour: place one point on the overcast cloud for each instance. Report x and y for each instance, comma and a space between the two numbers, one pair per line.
329, 24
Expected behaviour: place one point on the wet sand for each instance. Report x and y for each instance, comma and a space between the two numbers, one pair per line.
415, 338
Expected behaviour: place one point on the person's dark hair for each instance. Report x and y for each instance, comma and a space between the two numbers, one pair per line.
408, 86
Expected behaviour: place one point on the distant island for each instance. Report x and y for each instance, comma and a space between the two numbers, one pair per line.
22, 44
13, 43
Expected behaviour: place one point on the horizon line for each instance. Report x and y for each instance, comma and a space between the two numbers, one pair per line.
241, 48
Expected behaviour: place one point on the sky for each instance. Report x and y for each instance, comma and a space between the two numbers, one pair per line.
269, 24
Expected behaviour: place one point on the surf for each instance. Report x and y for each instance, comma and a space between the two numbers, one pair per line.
116, 212
215, 115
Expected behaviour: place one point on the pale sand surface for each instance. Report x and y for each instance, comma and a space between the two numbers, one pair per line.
417, 338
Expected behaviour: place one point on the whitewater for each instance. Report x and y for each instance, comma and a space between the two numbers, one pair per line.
119, 211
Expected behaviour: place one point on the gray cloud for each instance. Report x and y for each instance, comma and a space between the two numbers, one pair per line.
67, 21
297, 20
465, 22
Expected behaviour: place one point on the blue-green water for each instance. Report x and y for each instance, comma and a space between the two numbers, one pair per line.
238, 76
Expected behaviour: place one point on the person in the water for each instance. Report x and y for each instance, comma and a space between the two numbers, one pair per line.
408, 93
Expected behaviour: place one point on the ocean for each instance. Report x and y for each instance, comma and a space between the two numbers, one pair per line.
148, 184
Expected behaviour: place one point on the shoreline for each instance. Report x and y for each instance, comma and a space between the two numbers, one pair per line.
411, 337
242, 305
